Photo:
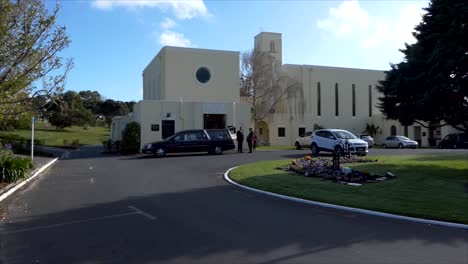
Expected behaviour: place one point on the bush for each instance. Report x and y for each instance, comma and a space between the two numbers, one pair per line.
131, 139
107, 144
13, 168
75, 142
65, 142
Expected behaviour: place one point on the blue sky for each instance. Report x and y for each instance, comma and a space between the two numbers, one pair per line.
113, 41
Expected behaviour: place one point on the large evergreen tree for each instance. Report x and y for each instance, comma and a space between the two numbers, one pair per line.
430, 84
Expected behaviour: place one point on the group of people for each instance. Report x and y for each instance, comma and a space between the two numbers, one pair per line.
251, 140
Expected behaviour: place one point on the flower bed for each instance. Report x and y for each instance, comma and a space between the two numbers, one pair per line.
323, 168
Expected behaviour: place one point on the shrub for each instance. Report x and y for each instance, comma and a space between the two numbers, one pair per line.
116, 145
65, 142
107, 144
131, 139
75, 142
13, 168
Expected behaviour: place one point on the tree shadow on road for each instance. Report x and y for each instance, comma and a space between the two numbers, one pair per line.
197, 226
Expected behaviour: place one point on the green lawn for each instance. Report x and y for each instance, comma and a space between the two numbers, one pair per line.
51, 136
427, 186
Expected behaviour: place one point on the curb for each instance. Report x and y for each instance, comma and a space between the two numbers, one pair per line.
344, 208
19, 185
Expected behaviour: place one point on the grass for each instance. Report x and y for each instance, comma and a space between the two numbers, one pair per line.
427, 186
55, 137
275, 147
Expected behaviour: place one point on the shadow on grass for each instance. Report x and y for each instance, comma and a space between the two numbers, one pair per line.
218, 225
442, 157
53, 130
428, 191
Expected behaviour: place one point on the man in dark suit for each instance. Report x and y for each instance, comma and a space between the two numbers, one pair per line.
250, 139
240, 139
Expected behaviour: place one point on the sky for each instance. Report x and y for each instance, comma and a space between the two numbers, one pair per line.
112, 41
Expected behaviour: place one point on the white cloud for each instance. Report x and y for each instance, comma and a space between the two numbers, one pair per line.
168, 24
183, 9
171, 38
350, 21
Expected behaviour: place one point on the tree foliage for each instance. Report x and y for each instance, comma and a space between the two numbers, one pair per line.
131, 138
431, 83
70, 111
267, 87
30, 64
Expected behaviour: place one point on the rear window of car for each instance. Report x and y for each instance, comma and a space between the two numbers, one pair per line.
219, 134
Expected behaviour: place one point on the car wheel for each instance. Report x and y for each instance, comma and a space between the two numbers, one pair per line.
400, 146
298, 146
384, 146
218, 150
439, 146
315, 149
160, 152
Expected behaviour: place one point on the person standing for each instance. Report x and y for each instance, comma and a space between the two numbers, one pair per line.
250, 138
240, 139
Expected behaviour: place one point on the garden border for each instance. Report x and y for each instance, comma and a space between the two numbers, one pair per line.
22, 183
344, 208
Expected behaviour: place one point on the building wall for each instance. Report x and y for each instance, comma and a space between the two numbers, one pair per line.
118, 125
171, 76
154, 78
187, 115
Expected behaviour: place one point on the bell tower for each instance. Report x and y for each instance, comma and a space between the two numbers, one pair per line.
270, 42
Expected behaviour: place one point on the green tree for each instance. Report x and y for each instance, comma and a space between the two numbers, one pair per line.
71, 112
372, 129
131, 138
30, 44
90, 100
431, 83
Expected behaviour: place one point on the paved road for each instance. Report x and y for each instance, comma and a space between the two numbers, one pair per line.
93, 208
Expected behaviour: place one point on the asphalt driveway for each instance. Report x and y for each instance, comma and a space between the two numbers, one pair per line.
96, 208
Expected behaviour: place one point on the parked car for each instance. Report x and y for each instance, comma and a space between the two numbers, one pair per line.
368, 139
334, 140
455, 140
304, 140
213, 141
399, 142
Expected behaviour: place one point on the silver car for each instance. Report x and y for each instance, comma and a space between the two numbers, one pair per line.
399, 142
368, 139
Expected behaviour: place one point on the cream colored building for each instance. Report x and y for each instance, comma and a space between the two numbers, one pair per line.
331, 97
185, 88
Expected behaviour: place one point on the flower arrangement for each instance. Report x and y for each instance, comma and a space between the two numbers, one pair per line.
323, 168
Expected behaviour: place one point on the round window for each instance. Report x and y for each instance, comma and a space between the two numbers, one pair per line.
203, 75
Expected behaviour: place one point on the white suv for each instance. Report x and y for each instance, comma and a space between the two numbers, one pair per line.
334, 140
304, 140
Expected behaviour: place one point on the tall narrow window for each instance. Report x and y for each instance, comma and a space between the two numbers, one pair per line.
336, 100
370, 100
319, 103
272, 46
354, 99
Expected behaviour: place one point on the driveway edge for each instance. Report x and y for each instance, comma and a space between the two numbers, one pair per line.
21, 184
344, 208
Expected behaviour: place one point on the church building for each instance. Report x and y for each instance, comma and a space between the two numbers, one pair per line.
187, 88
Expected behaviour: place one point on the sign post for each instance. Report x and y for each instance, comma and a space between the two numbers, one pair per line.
32, 139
